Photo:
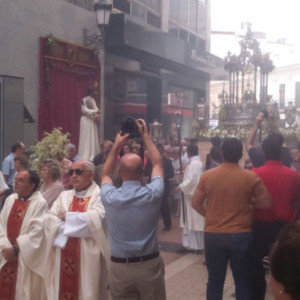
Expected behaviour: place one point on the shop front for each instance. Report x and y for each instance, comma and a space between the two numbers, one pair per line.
155, 76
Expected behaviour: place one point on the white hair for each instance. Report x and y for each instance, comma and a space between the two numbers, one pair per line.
89, 165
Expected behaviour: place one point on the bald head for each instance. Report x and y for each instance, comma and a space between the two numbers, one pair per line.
130, 167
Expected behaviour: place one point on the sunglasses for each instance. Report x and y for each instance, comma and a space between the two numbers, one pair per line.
76, 171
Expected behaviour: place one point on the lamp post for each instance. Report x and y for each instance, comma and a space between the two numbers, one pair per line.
103, 11
178, 126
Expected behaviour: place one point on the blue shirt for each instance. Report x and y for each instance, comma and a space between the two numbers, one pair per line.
8, 168
132, 213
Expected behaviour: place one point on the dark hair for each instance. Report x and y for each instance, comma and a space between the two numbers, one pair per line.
272, 146
285, 259
16, 146
160, 147
23, 161
90, 91
122, 149
232, 150
216, 141
215, 154
34, 179
192, 150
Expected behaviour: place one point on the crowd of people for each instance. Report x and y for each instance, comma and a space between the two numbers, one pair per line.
87, 229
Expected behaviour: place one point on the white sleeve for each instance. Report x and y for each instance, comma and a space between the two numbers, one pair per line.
77, 226
61, 239
3, 185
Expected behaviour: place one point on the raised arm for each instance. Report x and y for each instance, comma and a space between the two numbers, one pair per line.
153, 153
109, 166
252, 134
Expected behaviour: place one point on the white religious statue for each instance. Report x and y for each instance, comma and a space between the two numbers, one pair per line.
88, 137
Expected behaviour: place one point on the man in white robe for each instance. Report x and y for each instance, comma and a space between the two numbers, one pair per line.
193, 225
72, 256
17, 223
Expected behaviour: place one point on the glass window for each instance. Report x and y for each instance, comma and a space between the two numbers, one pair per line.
174, 10
153, 20
154, 4
173, 28
136, 89
139, 11
183, 34
201, 18
193, 15
86, 4
181, 97
183, 13
122, 5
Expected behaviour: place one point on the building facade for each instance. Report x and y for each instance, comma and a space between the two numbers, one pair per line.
157, 61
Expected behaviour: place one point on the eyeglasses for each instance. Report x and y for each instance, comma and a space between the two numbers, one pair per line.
77, 172
266, 262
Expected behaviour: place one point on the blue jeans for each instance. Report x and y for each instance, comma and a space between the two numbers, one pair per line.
236, 248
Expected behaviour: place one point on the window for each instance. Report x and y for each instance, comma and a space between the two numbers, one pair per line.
122, 5
173, 28
153, 20
193, 15
190, 15
128, 87
139, 11
86, 4
181, 97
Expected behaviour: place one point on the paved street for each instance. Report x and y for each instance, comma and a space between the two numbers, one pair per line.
186, 274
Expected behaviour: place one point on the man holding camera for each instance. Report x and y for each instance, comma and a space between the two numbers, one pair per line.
132, 211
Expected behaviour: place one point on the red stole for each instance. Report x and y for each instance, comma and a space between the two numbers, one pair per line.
8, 274
70, 259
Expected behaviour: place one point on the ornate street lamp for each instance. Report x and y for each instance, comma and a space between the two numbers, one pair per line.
103, 12
156, 130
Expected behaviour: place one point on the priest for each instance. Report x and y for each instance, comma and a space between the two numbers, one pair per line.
192, 223
17, 223
72, 256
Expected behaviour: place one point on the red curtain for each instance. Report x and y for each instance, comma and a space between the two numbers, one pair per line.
63, 83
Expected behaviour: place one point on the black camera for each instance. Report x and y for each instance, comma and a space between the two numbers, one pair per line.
129, 126
266, 114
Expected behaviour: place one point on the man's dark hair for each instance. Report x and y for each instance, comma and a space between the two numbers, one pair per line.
272, 146
160, 147
232, 150
192, 150
16, 146
215, 154
34, 179
285, 260
216, 141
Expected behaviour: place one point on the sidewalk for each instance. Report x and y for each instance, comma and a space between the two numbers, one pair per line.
185, 273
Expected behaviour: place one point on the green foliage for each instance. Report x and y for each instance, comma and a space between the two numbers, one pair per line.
52, 146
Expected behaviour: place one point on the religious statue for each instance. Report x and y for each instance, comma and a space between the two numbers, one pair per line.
88, 136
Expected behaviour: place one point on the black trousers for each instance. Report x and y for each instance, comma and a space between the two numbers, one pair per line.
165, 209
265, 235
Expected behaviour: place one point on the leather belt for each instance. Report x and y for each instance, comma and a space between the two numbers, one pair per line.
134, 259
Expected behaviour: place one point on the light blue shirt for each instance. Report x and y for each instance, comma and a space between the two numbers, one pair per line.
132, 212
8, 168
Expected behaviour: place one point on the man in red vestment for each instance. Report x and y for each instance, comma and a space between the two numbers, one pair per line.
17, 282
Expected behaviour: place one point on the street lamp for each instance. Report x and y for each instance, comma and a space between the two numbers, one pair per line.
103, 11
